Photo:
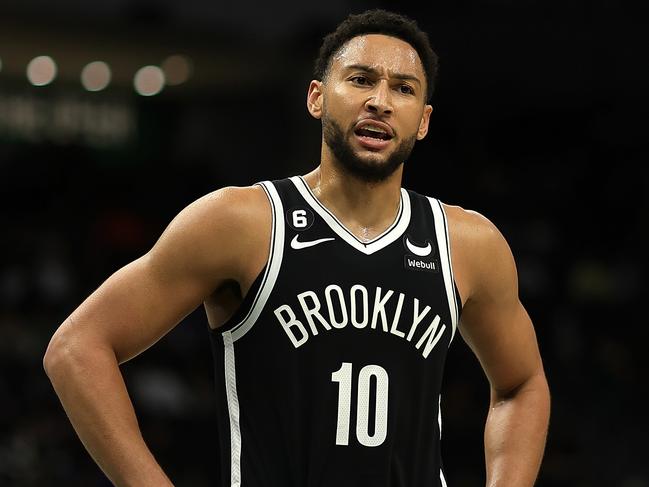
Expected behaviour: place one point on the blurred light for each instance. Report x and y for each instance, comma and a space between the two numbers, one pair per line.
95, 76
177, 69
63, 119
149, 80
41, 71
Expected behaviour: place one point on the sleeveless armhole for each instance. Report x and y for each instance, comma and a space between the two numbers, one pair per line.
458, 300
270, 271
245, 306
441, 231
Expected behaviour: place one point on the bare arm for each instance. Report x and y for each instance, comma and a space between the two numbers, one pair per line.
205, 245
499, 331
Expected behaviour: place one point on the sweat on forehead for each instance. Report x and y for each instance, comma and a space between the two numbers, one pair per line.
379, 52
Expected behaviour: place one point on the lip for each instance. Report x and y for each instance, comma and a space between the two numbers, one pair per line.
372, 143
375, 123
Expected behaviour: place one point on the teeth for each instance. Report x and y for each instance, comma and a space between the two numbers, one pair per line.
374, 129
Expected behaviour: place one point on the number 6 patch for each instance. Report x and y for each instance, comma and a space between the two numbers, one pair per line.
299, 218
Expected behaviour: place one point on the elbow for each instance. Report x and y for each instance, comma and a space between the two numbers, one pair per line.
535, 385
57, 353
68, 350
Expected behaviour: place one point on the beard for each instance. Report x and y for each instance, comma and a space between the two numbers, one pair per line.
366, 169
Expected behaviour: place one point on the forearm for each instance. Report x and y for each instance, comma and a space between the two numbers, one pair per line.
92, 391
515, 434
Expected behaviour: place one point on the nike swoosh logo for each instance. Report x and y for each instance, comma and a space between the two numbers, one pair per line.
297, 245
420, 251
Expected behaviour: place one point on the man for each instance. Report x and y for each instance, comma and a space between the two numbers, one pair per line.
332, 299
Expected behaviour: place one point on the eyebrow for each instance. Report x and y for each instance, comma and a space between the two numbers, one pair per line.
374, 71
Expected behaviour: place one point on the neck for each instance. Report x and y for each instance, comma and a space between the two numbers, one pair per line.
365, 208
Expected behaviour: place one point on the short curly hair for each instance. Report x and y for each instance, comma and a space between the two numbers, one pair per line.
378, 21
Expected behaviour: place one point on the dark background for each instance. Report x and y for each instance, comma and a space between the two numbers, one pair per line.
539, 123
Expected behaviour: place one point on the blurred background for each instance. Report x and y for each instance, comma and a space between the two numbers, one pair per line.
114, 115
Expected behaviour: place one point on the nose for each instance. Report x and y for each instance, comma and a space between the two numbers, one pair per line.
380, 101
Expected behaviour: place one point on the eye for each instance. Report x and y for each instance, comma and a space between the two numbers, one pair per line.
406, 90
361, 80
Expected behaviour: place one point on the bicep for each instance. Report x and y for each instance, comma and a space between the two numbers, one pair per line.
504, 341
145, 299
134, 308
494, 322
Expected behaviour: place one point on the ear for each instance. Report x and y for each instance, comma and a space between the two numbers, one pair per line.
314, 99
423, 124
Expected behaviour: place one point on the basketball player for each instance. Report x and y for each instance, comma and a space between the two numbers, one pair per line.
332, 299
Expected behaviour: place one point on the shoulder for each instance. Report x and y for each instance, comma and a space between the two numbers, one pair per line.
221, 229
228, 208
471, 227
231, 201
482, 258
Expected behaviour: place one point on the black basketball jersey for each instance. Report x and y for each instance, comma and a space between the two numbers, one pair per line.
329, 374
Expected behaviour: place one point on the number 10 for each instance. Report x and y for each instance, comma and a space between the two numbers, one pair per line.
344, 378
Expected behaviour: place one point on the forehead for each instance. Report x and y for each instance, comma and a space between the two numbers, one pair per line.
380, 52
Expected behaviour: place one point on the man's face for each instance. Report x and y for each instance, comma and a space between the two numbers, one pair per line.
372, 105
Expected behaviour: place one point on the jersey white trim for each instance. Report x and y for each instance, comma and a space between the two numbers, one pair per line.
272, 267
233, 410
386, 238
441, 231
229, 337
439, 415
439, 422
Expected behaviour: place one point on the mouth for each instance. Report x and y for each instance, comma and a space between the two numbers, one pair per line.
373, 134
